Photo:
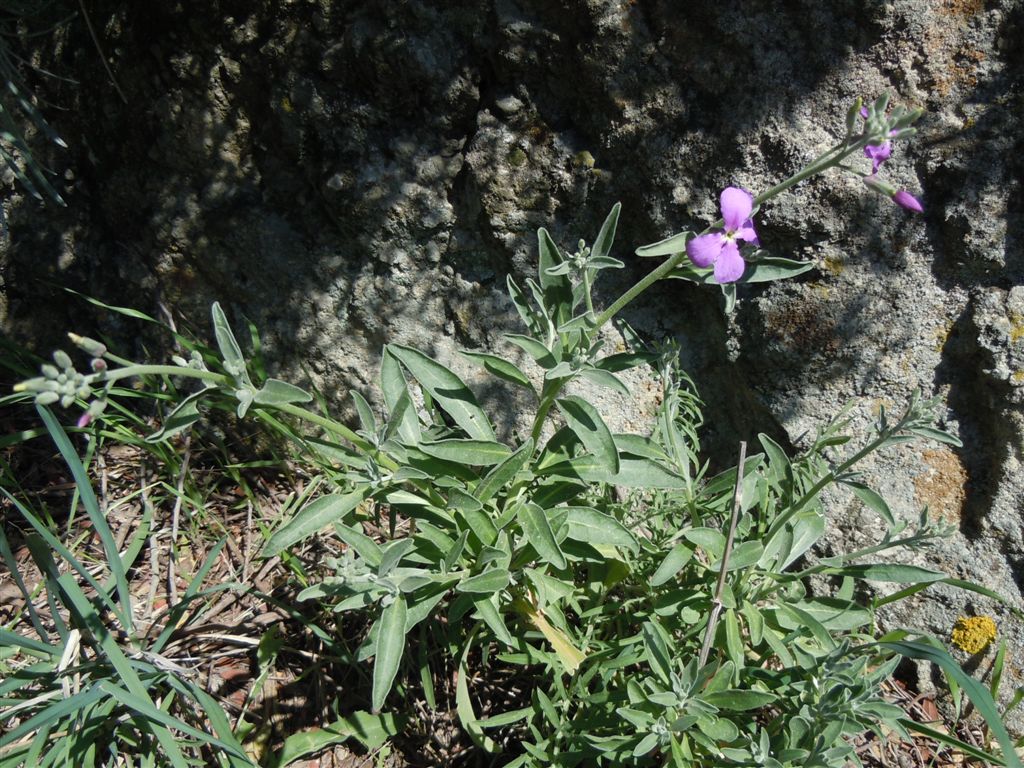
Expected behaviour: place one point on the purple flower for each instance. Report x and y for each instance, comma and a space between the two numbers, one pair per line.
906, 200
84, 420
720, 248
878, 154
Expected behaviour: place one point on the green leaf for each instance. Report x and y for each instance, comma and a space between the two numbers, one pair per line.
656, 645
488, 582
593, 527
367, 419
474, 453
313, 517
602, 247
277, 392
96, 515
234, 363
772, 268
372, 731
739, 699
667, 247
464, 708
500, 367
893, 572
556, 288
975, 691
540, 354
623, 361
183, 416
402, 417
633, 472
938, 436
586, 422
447, 390
504, 472
606, 379
674, 561
708, 539
534, 522
872, 500
388, 651
487, 607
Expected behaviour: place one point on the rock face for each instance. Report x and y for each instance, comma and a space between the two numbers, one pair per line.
347, 173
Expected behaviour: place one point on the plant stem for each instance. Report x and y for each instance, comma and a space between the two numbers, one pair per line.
158, 370
716, 609
832, 157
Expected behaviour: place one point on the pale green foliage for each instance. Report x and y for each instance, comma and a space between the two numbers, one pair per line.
592, 560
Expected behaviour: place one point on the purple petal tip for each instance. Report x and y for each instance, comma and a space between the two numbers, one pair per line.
906, 200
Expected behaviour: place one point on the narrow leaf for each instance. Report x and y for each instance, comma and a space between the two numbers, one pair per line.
312, 518
535, 524
277, 392
388, 651
586, 422
447, 390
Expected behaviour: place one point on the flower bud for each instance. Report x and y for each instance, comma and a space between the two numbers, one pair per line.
49, 371
906, 200
67, 401
875, 184
47, 398
99, 365
89, 346
60, 357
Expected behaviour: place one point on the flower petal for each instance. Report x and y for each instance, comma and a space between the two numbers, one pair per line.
906, 200
747, 233
878, 154
729, 266
704, 250
736, 207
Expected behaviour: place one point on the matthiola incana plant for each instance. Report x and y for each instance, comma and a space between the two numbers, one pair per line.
652, 613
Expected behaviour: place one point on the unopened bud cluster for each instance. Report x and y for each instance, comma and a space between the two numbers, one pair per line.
61, 383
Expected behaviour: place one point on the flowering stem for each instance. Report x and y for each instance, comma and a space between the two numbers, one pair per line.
825, 161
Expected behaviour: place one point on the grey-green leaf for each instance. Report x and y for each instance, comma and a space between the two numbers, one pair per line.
313, 517
602, 248
773, 268
183, 416
593, 527
487, 583
504, 472
277, 392
234, 363
474, 453
586, 422
667, 247
447, 390
500, 367
535, 525
388, 652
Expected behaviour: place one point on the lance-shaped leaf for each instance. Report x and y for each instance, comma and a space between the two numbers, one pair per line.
534, 522
593, 527
473, 453
497, 478
586, 422
556, 288
313, 517
402, 418
667, 247
277, 392
500, 367
184, 415
234, 363
388, 650
448, 391
602, 248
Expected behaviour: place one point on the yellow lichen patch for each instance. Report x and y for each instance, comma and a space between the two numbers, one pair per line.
1017, 378
583, 160
1016, 332
834, 265
973, 634
941, 335
942, 486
